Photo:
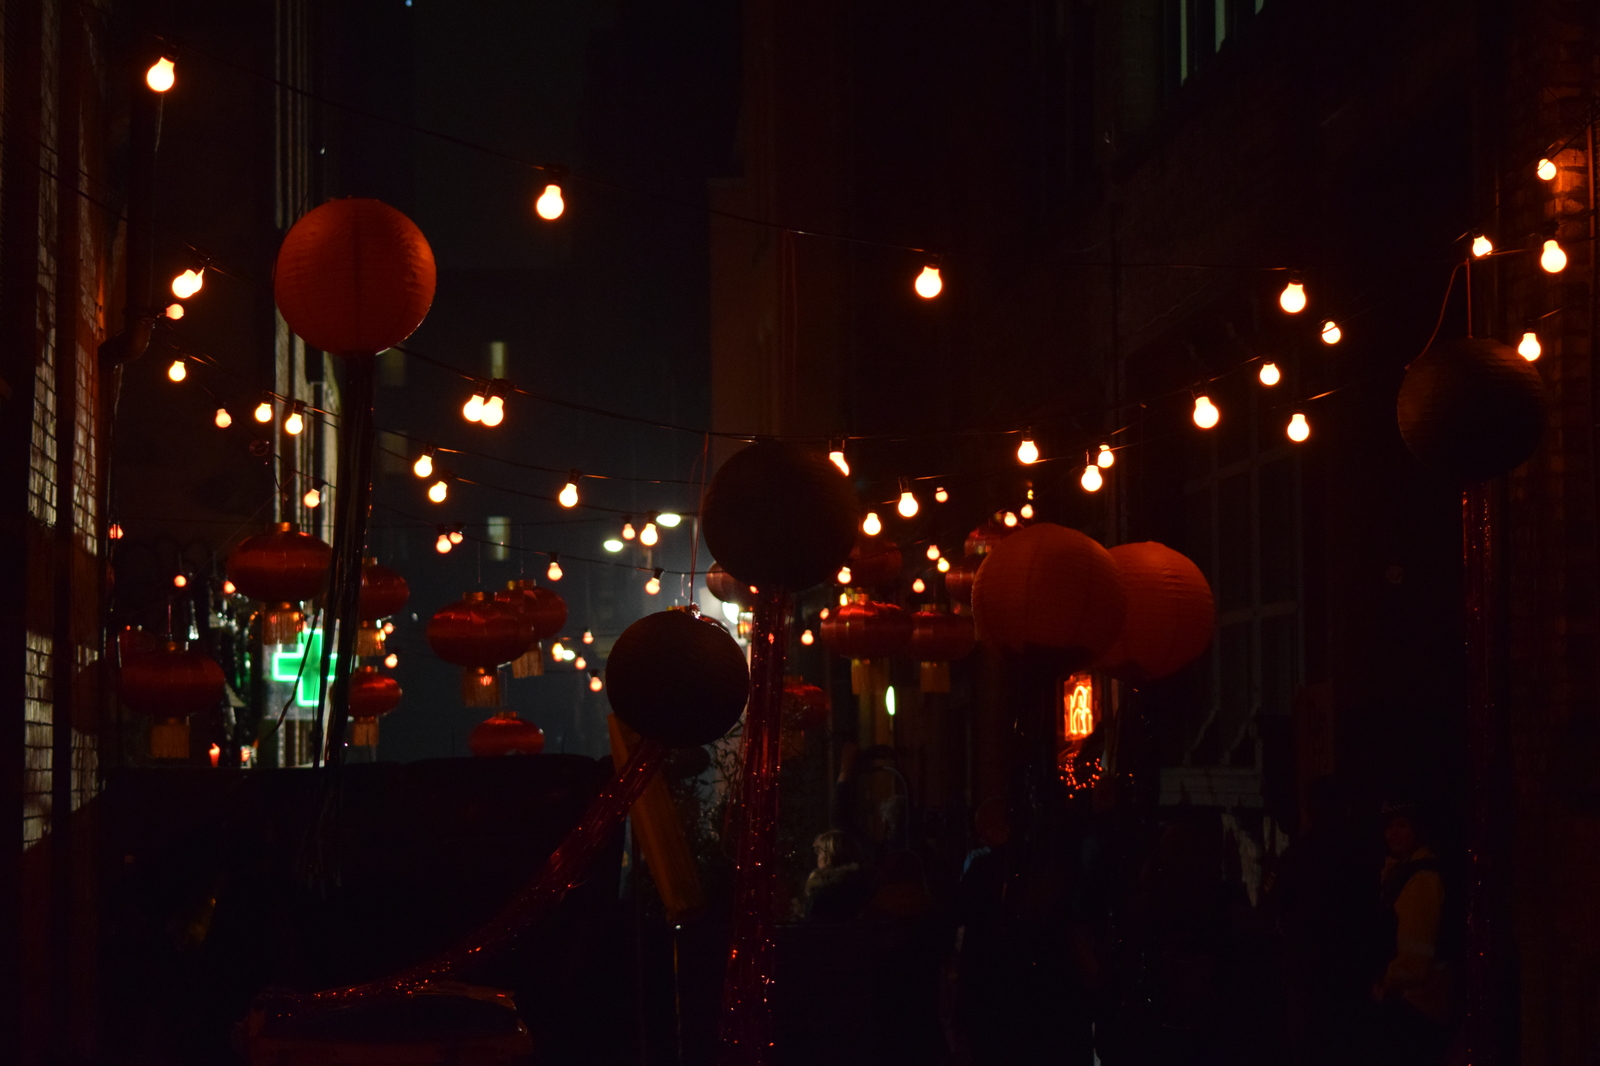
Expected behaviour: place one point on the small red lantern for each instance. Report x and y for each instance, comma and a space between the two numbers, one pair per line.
874, 561
281, 568
1052, 588
727, 588
480, 635
937, 639
544, 610
169, 685
354, 276
867, 632
804, 707
383, 593
1170, 613
505, 734
959, 578
372, 695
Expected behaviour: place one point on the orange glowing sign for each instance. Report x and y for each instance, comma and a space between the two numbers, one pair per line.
1077, 707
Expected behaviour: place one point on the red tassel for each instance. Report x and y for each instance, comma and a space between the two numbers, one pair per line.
364, 732
169, 738
530, 663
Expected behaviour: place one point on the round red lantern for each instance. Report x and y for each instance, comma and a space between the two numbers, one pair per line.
727, 588
1471, 409
805, 706
372, 695
1170, 613
958, 579
868, 633
170, 684
779, 514
937, 639
544, 611
480, 635
354, 276
383, 593
677, 678
281, 568
981, 541
874, 561
505, 734
1049, 587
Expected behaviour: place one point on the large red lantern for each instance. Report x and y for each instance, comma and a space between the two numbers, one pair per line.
505, 734
281, 568
383, 593
544, 611
868, 634
354, 276
938, 639
480, 635
169, 685
874, 561
1170, 613
372, 695
1052, 588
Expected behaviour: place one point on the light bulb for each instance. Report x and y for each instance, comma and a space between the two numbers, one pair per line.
1293, 298
494, 412
1546, 170
823, 614
843, 576
174, 311
807, 639
943, 565
549, 204
1481, 246
1205, 412
933, 552
263, 412
557, 652
312, 498
1299, 429
388, 627
294, 424
1027, 451
844, 598
1529, 347
115, 532
1330, 332
472, 410
652, 586
588, 637
179, 581
177, 371
595, 684
1027, 509
668, 520
223, 419
1269, 374
456, 536
907, 505
1091, 479
918, 585
229, 588
1107, 458
161, 75
836, 457
553, 571
870, 524
1009, 519
391, 660
580, 663
438, 491
568, 497
928, 283
423, 467
648, 535
940, 495
567, 654
442, 545
1553, 259
612, 545
188, 283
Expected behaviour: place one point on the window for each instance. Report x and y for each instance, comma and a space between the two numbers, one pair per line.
38, 740
497, 359
499, 538
392, 368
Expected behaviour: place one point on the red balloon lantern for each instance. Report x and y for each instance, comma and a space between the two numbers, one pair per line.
958, 579
937, 639
804, 707
479, 635
1049, 587
869, 634
281, 568
372, 695
544, 611
383, 593
169, 685
354, 276
505, 734
874, 561
1170, 617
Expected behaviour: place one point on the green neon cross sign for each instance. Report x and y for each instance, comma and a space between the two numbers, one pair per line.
286, 667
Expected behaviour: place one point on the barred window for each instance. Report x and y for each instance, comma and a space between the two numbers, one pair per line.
38, 738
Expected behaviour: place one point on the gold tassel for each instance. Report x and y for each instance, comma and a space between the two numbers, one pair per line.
530, 663
169, 738
935, 677
364, 732
369, 639
480, 687
281, 624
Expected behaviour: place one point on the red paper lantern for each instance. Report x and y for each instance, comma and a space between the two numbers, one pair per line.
544, 610
480, 635
867, 630
981, 541
678, 679
1170, 616
959, 578
1049, 587
281, 568
804, 706
937, 639
169, 685
874, 561
505, 734
372, 695
727, 588
354, 276
383, 593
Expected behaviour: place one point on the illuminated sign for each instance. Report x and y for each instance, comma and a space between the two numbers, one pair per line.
1077, 706
303, 663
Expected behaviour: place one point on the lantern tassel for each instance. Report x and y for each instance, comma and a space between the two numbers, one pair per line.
530, 663
369, 639
364, 732
169, 738
935, 677
281, 624
480, 687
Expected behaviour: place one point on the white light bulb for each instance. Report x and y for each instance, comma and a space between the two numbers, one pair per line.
1481, 246
557, 652
668, 520
472, 410
933, 552
648, 536
907, 505
174, 311
870, 524
580, 663
569, 655
918, 585
1330, 332
1027, 452
553, 571
940, 495
177, 371
1546, 170
588, 637
612, 545
595, 684
843, 576
391, 660
928, 283
438, 491
312, 498
224, 419
1205, 412
263, 412
1027, 508
1293, 298
294, 424
1107, 458
943, 565
836, 457
653, 586
1553, 259
161, 76
1529, 347
568, 496
549, 204
423, 467
442, 545
807, 639
1299, 429
494, 412
1269, 374
1091, 480
456, 536
188, 283
1009, 520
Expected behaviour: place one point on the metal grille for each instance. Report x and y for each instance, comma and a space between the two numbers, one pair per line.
38, 738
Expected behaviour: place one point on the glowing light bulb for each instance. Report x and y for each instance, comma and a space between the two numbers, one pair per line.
223, 419
229, 588
568, 655
612, 545
472, 410
423, 467
494, 412
1330, 332
388, 627
908, 505
844, 598
557, 652
549, 204
1009, 520
442, 545
1293, 298
918, 585
1091, 479
870, 524
568, 497
933, 552
553, 571
1027, 451
1529, 347
648, 535
174, 311
456, 536
843, 576
188, 283
312, 498
1026, 511
1481, 246
161, 76
668, 520
391, 660
179, 581
943, 565
940, 495
588, 637
294, 423
1205, 412
928, 283
823, 614
1269, 374
807, 639
115, 532
263, 411
1553, 259
1107, 458
177, 371
1546, 170
1299, 429
595, 684
652, 586
580, 663
836, 457
438, 491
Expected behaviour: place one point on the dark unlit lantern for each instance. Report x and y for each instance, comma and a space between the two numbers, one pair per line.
677, 678
781, 515
1471, 409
